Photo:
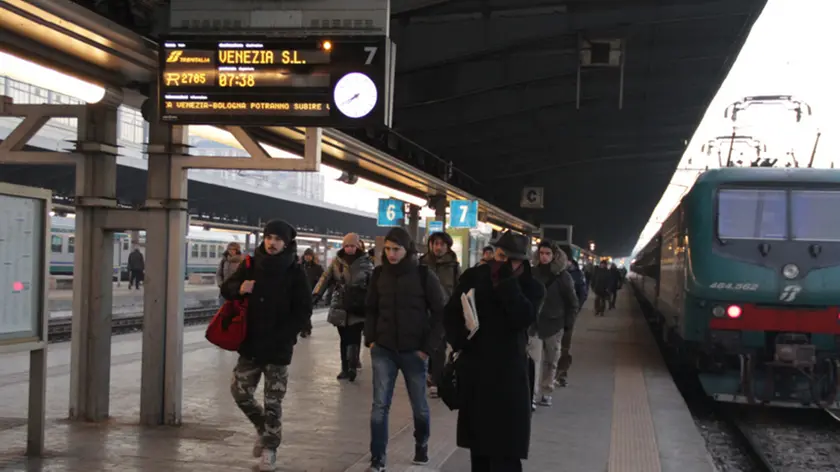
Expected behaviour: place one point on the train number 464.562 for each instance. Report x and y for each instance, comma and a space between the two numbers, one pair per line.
730, 286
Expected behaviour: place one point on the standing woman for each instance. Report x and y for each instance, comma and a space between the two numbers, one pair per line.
349, 275
231, 259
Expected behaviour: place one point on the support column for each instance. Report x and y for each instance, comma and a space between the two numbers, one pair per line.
440, 205
163, 311
247, 247
90, 352
414, 222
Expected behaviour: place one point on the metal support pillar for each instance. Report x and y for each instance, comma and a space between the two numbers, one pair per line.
414, 222
163, 305
247, 248
96, 189
440, 205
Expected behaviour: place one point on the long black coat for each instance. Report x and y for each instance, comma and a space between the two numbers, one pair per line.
495, 417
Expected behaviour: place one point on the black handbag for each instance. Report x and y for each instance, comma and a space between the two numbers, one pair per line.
448, 389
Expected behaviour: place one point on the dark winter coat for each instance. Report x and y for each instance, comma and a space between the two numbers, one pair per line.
581, 284
136, 261
560, 307
447, 269
344, 271
602, 281
313, 272
495, 416
279, 307
402, 313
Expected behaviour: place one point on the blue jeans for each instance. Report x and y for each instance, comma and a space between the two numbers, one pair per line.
386, 364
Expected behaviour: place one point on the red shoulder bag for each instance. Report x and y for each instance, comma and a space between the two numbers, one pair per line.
228, 327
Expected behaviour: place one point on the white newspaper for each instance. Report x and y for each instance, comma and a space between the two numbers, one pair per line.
470, 313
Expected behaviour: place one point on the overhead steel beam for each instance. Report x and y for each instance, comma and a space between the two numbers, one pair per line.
665, 155
537, 101
571, 24
548, 77
555, 150
407, 8
654, 131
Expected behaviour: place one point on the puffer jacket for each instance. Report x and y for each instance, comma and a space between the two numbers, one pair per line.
561, 304
341, 274
447, 269
403, 314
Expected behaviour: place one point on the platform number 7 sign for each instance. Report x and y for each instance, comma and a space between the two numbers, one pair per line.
463, 214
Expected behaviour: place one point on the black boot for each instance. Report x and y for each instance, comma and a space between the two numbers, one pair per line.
352, 360
344, 366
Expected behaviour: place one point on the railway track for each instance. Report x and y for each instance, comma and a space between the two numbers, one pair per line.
60, 329
786, 441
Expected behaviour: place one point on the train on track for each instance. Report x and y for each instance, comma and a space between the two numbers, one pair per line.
744, 281
204, 248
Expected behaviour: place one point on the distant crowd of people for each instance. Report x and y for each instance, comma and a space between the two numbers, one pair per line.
408, 311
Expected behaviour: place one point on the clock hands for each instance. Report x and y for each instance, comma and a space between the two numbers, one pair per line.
351, 99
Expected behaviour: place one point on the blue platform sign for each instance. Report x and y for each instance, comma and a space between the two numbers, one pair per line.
435, 227
390, 212
463, 213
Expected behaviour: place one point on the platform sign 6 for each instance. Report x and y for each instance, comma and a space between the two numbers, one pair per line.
463, 214
391, 212
435, 227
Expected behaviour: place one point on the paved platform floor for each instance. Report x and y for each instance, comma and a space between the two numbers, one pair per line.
60, 302
616, 415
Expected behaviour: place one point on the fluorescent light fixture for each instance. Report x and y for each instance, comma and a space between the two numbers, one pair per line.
44, 77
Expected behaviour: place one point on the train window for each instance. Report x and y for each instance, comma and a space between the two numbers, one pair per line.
194, 250
221, 250
752, 214
71, 245
55, 244
126, 243
213, 251
203, 253
814, 215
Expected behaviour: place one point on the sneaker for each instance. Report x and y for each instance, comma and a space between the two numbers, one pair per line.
376, 466
343, 375
268, 461
258, 447
545, 400
421, 455
561, 382
351, 375
533, 405
433, 392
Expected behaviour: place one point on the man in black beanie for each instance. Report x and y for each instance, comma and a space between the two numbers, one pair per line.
279, 307
402, 328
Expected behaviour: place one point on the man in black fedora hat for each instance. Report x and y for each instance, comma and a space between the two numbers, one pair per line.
493, 364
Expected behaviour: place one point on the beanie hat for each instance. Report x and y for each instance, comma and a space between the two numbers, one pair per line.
400, 236
281, 229
353, 239
309, 251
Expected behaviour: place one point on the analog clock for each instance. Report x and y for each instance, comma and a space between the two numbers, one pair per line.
355, 95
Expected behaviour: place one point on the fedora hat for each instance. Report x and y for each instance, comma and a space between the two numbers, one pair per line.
514, 245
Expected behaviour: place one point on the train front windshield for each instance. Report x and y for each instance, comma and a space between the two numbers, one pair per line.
779, 214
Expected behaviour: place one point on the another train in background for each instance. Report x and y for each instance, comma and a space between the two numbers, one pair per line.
204, 248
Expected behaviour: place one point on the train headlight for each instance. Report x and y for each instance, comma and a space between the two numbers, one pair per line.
718, 311
790, 271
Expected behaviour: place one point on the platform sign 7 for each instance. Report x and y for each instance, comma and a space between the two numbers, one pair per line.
391, 212
463, 214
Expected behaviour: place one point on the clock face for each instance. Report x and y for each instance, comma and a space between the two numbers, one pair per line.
355, 95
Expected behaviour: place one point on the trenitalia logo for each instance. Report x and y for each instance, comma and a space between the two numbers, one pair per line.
178, 56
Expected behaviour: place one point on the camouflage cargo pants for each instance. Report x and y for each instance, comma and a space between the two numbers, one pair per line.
267, 419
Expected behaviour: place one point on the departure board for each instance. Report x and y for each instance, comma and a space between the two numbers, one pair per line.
312, 81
